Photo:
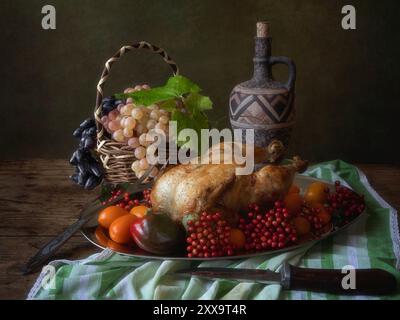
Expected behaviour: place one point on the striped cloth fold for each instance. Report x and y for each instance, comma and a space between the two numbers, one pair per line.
372, 242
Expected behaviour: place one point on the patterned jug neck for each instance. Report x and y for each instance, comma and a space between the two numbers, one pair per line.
262, 74
262, 69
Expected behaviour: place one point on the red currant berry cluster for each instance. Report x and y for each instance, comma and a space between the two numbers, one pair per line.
346, 201
209, 237
311, 214
269, 230
128, 201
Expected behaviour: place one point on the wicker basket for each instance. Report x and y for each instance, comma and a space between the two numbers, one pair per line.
117, 157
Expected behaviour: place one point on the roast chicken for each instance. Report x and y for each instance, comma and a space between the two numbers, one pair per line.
190, 189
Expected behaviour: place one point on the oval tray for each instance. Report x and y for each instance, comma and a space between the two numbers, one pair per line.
301, 181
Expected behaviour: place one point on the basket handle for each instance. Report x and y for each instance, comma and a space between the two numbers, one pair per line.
115, 58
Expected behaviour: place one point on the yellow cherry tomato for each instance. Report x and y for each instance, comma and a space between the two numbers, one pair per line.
108, 215
316, 193
139, 211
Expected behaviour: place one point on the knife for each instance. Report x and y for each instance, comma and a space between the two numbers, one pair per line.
366, 281
48, 250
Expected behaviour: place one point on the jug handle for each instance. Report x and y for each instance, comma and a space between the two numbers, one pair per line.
292, 69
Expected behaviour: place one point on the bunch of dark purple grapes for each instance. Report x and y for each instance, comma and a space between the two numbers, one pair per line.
88, 171
108, 105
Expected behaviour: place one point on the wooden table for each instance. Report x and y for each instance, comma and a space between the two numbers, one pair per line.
37, 201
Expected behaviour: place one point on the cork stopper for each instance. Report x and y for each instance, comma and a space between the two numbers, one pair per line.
263, 29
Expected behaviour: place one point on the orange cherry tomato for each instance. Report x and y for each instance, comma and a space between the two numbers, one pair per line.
325, 217
294, 189
108, 215
316, 193
101, 236
323, 214
237, 238
301, 225
293, 202
139, 211
120, 229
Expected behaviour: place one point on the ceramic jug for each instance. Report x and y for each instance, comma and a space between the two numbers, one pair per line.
263, 104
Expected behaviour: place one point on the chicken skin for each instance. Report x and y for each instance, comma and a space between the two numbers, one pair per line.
195, 188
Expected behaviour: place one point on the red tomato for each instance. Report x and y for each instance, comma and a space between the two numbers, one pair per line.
157, 233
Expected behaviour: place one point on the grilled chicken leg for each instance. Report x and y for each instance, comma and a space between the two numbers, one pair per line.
273, 153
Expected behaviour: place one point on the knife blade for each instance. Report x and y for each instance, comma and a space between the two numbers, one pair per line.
250, 275
48, 250
365, 281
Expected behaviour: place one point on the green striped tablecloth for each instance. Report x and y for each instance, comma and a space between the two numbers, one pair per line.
372, 242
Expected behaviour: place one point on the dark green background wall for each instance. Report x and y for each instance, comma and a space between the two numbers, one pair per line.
347, 88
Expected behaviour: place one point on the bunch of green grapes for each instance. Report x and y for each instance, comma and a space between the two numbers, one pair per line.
130, 124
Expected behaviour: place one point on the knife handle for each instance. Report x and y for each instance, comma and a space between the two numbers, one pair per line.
366, 281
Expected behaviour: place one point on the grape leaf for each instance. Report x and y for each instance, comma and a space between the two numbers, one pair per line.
182, 85
195, 121
182, 121
169, 105
149, 97
196, 102
176, 87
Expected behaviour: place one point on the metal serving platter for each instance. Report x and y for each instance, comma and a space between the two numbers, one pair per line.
302, 181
